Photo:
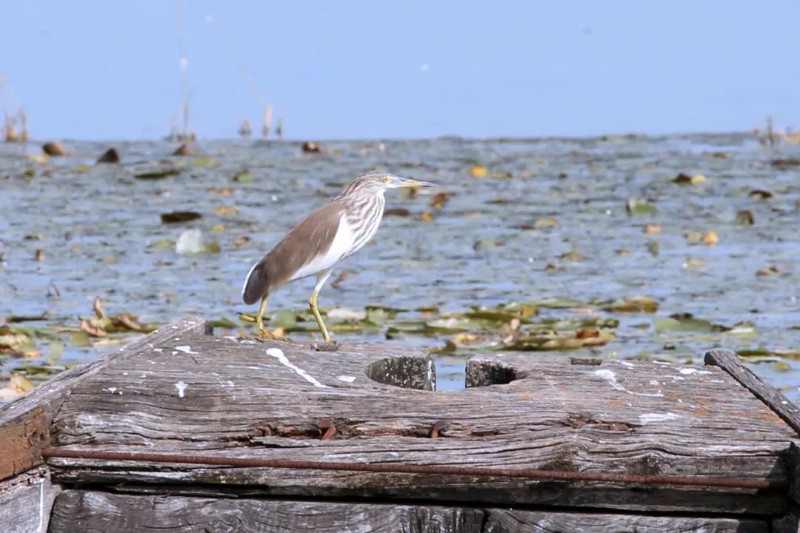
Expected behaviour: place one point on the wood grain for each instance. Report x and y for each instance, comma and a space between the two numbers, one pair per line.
26, 421
193, 393
102, 512
729, 362
26, 501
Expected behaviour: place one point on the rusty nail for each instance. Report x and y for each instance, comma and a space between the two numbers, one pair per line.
436, 428
328, 427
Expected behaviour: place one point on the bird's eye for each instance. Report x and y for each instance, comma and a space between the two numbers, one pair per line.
385, 179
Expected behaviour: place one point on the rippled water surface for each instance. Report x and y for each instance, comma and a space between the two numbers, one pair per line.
547, 225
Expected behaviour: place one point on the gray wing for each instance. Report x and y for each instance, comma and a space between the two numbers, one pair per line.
310, 238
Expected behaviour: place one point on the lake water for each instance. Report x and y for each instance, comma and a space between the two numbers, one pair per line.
553, 233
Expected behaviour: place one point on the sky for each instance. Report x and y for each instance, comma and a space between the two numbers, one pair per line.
410, 69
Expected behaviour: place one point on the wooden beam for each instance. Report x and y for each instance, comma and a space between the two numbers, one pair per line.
26, 501
775, 400
96, 511
25, 422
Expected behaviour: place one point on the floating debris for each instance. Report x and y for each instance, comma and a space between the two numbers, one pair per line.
192, 241
175, 217
184, 149
632, 304
745, 217
54, 148
637, 206
478, 171
157, 174
686, 179
760, 194
243, 176
110, 156
310, 147
783, 164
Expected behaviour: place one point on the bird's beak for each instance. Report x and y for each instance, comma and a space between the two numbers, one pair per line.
411, 183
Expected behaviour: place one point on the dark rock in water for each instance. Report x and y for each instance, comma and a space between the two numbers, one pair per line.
175, 217
109, 156
55, 148
310, 147
183, 149
783, 164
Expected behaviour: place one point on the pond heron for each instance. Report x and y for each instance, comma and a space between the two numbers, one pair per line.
315, 246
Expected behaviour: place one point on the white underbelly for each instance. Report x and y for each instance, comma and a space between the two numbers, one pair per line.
341, 244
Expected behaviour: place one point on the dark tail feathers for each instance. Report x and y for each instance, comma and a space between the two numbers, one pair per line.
255, 285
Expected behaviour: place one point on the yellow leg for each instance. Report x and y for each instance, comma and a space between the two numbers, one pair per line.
263, 332
313, 304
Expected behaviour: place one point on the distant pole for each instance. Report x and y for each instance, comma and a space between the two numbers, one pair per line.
267, 122
245, 129
279, 128
183, 63
23, 120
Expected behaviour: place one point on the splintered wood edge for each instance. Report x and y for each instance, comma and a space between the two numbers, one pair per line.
25, 422
729, 361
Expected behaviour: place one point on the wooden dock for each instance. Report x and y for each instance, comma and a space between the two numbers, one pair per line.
185, 431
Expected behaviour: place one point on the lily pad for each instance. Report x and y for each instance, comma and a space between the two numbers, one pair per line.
636, 206
632, 304
158, 174
686, 322
380, 315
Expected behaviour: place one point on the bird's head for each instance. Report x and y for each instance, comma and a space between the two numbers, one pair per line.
377, 181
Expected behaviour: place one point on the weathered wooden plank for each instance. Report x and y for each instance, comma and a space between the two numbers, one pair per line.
509, 520
101, 512
729, 362
235, 398
21, 441
26, 501
25, 422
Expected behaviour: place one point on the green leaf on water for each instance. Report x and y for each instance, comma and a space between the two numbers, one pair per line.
744, 329
163, 244
492, 315
285, 318
201, 162
637, 206
632, 304
224, 323
558, 303
80, 339
14, 319
243, 176
754, 352
521, 309
39, 370
55, 350
380, 315
212, 246
686, 322
781, 366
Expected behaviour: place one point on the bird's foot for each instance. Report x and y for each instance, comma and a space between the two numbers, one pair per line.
263, 334
325, 346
